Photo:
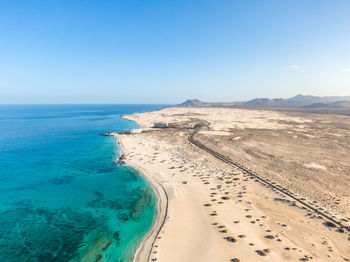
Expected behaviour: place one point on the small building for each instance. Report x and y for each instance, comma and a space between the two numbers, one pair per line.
160, 125
131, 131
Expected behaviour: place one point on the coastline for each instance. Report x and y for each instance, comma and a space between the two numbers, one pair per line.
144, 248
216, 212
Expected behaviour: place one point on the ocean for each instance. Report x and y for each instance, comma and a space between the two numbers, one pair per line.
63, 197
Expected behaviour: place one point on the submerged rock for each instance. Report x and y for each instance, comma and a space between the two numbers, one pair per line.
43, 234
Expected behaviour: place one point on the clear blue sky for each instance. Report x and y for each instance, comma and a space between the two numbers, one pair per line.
167, 51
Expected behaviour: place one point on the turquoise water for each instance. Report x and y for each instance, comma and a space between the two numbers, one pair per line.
63, 198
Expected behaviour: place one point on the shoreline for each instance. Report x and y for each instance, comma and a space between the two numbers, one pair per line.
216, 211
143, 250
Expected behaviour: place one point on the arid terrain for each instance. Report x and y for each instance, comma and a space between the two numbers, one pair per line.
216, 212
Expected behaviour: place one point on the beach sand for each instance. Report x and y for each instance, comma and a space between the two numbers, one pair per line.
215, 212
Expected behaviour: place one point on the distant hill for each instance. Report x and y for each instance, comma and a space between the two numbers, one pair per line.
338, 104
263, 101
338, 98
198, 103
192, 102
301, 99
298, 101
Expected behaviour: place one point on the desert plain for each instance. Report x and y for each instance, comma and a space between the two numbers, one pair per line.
213, 211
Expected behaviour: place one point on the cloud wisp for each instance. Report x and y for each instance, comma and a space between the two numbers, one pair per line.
293, 67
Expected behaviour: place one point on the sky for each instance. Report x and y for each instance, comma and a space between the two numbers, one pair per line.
164, 52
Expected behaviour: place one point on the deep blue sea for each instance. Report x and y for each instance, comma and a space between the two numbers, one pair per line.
63, 197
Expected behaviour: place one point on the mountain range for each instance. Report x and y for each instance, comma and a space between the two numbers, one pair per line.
298, 101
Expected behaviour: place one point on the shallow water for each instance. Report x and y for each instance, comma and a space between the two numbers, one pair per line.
63, 198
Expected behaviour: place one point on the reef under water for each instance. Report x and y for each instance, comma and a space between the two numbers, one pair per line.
63, 196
